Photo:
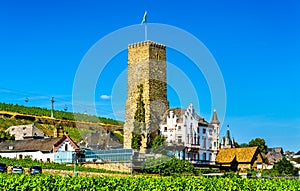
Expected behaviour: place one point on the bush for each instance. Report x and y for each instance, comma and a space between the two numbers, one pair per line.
166, 166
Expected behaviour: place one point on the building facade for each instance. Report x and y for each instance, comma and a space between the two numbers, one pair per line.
146, 76
59, 149
198, 138
24, 131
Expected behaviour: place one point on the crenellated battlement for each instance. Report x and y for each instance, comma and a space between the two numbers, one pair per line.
147, 43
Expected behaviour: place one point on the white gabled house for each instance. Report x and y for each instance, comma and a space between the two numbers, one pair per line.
199, 139
58, 149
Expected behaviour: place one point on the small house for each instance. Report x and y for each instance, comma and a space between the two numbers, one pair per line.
47, 149
239, 158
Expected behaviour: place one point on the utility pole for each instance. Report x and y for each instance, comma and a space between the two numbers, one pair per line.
52, 107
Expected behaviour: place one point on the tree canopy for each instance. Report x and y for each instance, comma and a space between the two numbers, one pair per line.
260, 143
159, 145
284, 166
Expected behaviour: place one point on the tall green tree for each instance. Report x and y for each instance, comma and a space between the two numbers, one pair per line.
159, 144
139, 121
284, 166
260, 143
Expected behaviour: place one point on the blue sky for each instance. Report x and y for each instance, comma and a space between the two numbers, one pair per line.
255, 43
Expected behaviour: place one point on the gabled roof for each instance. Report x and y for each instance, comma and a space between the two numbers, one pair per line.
44, 145
59, 142
241, 154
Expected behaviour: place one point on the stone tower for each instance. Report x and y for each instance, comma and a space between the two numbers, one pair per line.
146, 68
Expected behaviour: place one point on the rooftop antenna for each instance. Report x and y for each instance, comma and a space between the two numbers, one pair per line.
52, 106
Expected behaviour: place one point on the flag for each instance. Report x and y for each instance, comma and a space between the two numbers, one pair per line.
144, 18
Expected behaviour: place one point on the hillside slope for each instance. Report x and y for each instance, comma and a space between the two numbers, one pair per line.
77, 129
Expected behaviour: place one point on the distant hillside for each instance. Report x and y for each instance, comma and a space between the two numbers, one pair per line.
20, 115
37, 111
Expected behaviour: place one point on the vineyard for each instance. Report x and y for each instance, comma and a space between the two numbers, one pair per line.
27, 163
37, 111
54, 182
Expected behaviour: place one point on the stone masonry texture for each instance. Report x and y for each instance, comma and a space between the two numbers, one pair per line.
146, 66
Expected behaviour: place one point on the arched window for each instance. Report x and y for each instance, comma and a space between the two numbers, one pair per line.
66, 147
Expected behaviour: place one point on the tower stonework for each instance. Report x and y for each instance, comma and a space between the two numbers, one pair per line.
146, 67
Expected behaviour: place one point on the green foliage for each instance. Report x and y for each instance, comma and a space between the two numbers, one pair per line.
206, 171
139, 121
7, 122
55, 183
260, 143
166, 166
37, 111
27, 162
297, 160
159, 145
243, 145
231, 175
284, 166
6, 136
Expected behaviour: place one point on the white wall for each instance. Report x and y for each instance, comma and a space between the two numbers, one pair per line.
38, 155
62, 147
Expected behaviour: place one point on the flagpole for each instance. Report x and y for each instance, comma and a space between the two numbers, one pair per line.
146, 31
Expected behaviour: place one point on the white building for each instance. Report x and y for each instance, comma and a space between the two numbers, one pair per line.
198, 138
24, 131
47, 149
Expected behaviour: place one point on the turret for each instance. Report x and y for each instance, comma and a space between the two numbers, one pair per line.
215, 119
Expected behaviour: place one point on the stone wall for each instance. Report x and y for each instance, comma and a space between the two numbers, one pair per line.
120, 167
146, 66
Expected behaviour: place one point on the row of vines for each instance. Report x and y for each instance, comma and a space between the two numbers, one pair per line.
37, 111
50, 182
27, 163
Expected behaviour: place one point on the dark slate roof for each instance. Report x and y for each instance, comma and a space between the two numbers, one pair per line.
215, 119
44, 145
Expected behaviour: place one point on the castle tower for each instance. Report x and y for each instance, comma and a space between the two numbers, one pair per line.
216, 125
146, 71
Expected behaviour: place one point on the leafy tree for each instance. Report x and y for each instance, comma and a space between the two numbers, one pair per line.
243, 145
284, 166
260, 143
159, 145
139, 121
